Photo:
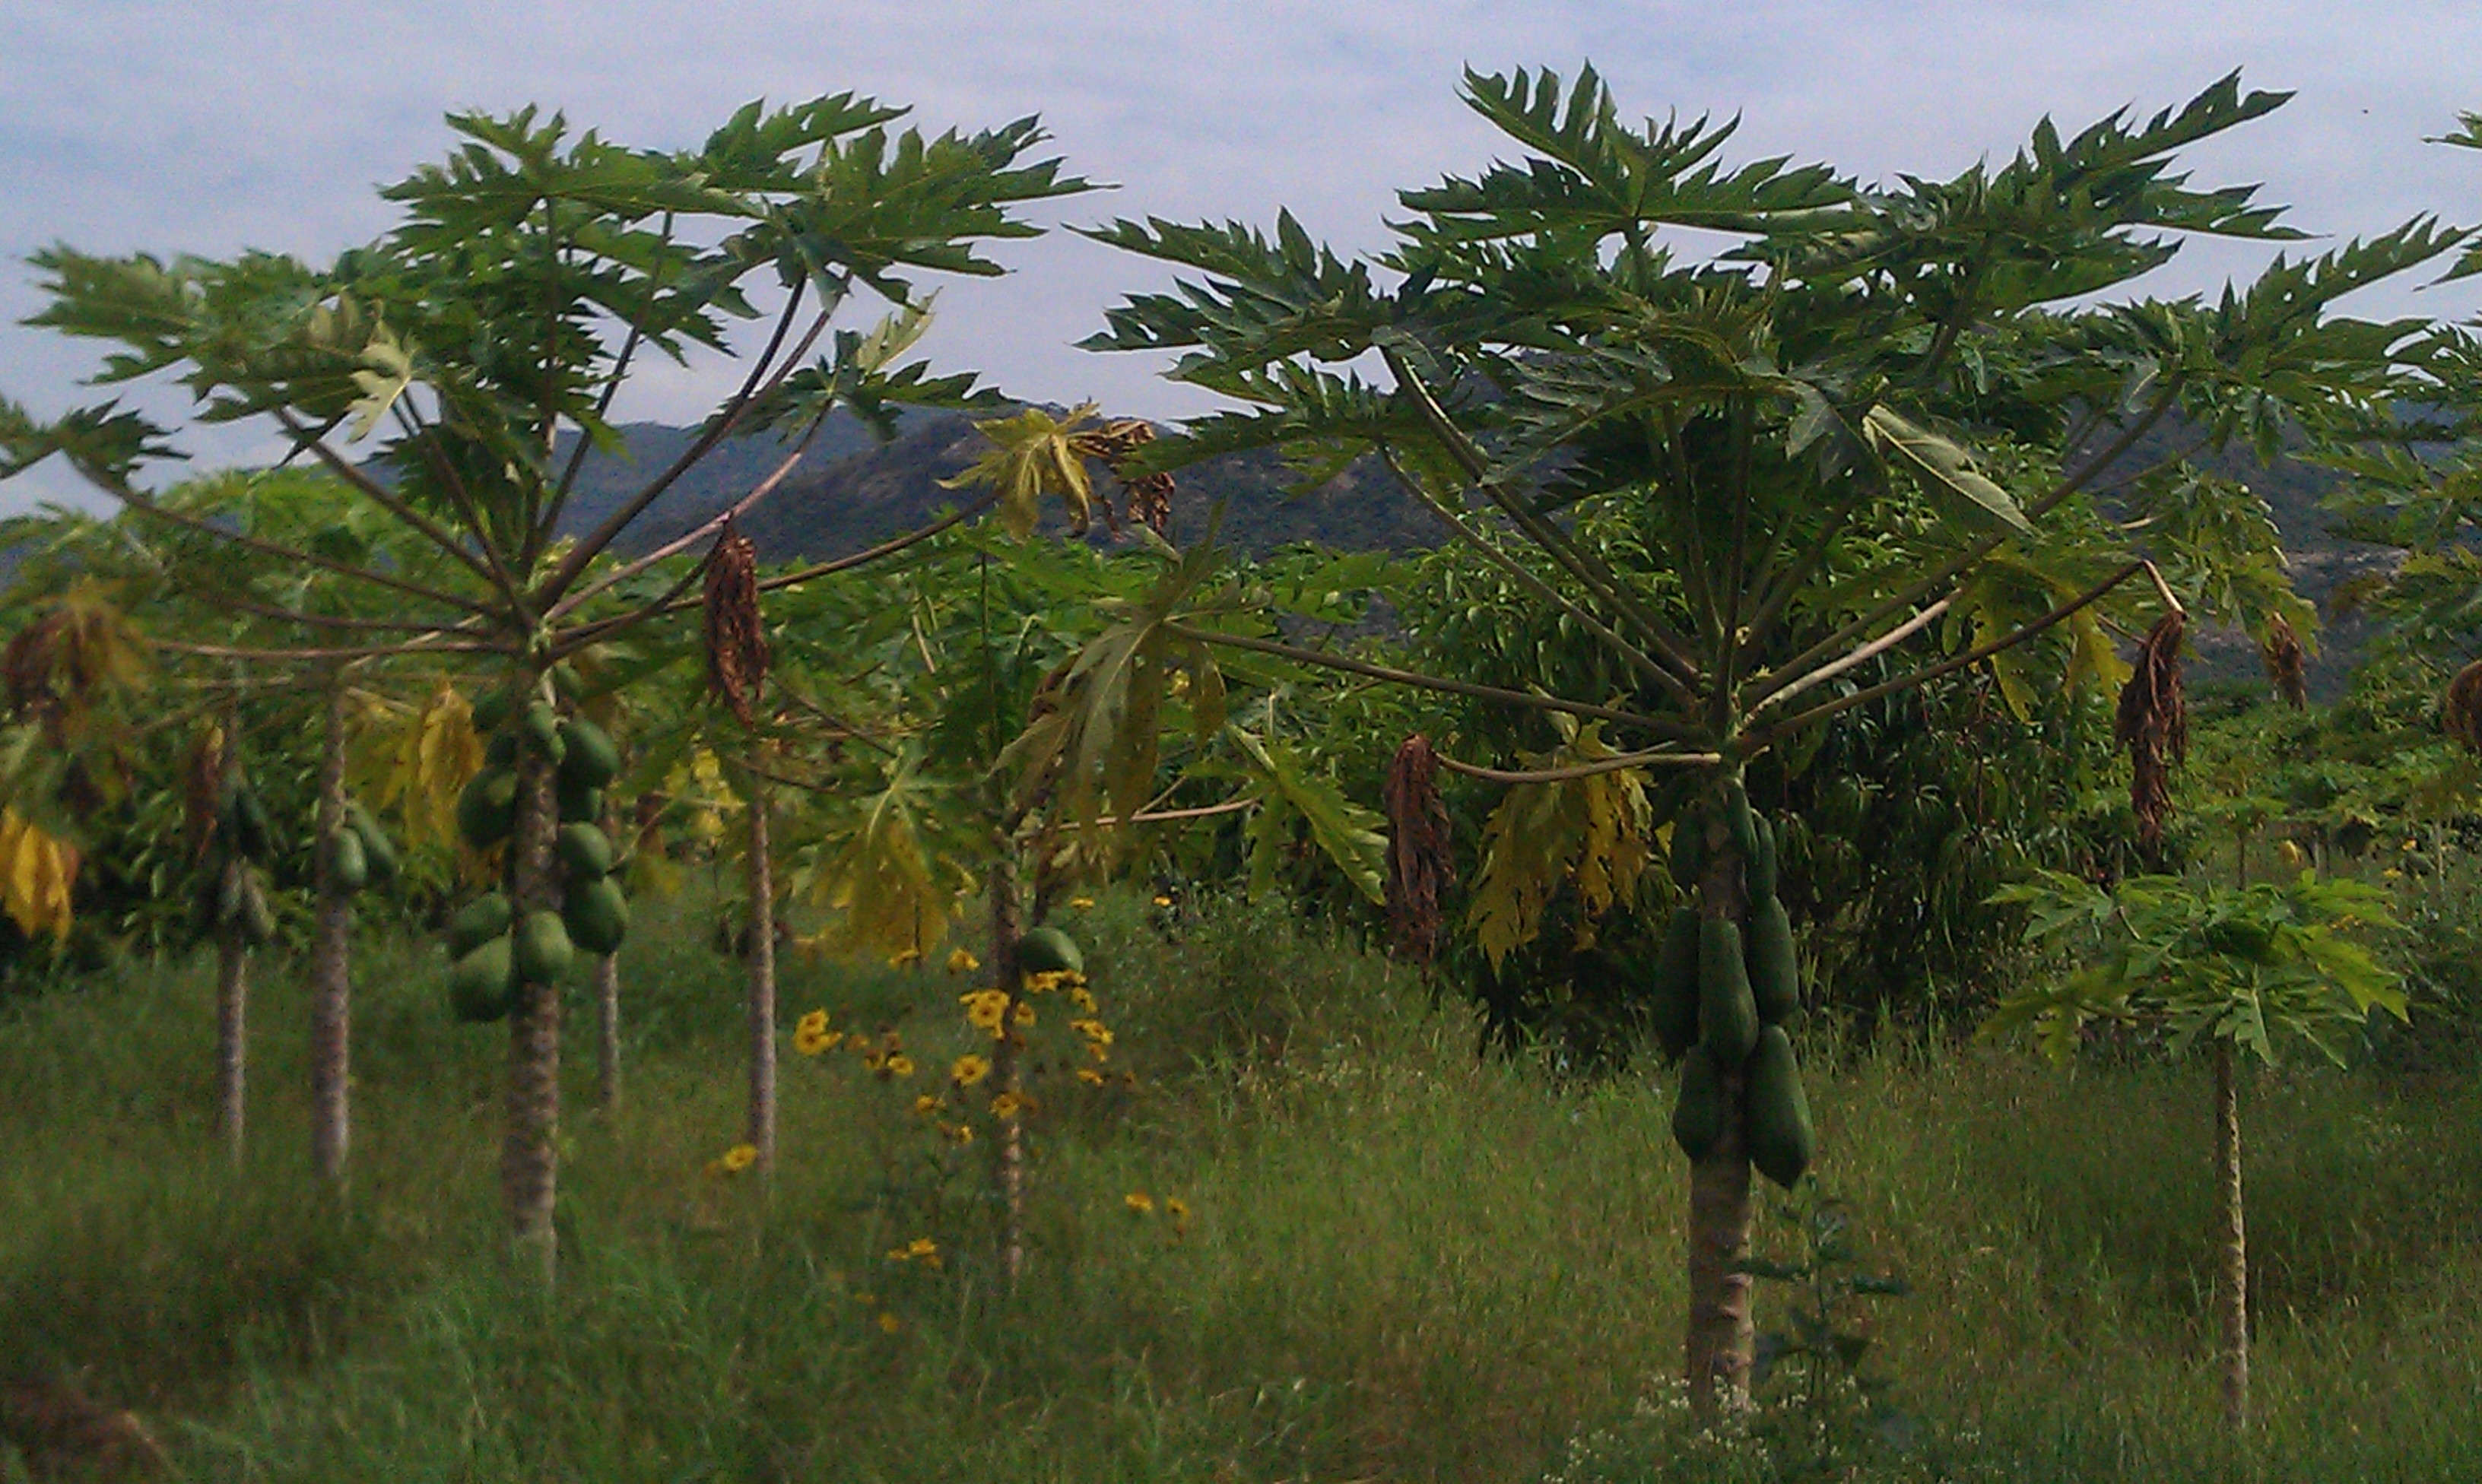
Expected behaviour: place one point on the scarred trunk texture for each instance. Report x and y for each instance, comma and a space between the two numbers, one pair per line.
1008, 1146
529, 1153
331, 990
607, 1032
1721, 1341
2231, 1295
232, 1036
761, 1131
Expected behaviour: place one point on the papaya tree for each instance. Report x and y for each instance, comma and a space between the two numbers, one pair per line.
2237, 970
1882, 437
529, 275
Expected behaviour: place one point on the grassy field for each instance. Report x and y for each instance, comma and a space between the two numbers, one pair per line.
1402, 1263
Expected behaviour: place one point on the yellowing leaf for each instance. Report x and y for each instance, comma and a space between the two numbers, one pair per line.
1594, 833
40, 872
1031, 457
885, 883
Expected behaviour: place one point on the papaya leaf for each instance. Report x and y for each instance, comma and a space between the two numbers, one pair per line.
1348, 833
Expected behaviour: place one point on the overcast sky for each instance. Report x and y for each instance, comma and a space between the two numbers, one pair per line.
211, 125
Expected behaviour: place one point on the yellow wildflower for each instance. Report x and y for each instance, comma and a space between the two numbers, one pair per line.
1023, 1015
1163, 901
814, 1022
925, 1105
739, 1157
985, 1010
2392, 875
1008, 1104
967, 1070
1081, 903
1081, 998
1177, 1209
811, 1036
899, 1065
1089, 1077
957, 1133
888, 1322
904, 958
961, 960
1046, 982
1139, 1202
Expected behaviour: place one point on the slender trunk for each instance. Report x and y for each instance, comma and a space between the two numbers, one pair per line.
607, 1009
761, 1131
2231, 1295
607, 1032
331, 990
232, 1034
529, 1153
1008, 1145
1722, 1341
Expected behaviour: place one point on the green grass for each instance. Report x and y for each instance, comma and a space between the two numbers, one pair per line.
1404, 1263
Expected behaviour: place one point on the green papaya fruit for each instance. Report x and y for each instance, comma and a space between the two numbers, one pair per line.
1728, 1016
597, 916
1689, 848
577, 803
477, 922
253, 836
482, 984
540, 727
257, 913
1775, 970
1048, 950
1741, 823
348, 865
378, 850
584, 851
492, 711
591, 759
1673, 998
487, 810
501, 751
543, 952
1758, 867
1698, 1109
565, 683
1781, 1139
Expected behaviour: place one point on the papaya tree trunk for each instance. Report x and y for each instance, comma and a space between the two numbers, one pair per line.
607, 1032
1008, 1145
1721, 1342
761, 1130
530, 1153
331, 990
232, 1036
2231, 1286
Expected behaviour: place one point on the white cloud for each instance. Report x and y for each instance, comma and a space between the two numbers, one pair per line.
214, 125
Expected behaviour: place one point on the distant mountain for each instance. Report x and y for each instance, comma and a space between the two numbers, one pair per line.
852, 491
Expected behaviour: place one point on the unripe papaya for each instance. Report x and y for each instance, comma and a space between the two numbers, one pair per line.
540, 727
488, 809
1775, 970
1048, 950
477, 922
492, 711
591, 759
597, 916
577, 803
1672, 1000
347, 864
1689, 848
1740, 821
584, 851
1758, 867
1781, 1140
257, 913
1728, 1016
377, 849
542, 949
253, 837
501, 751
1698, 1109
482, 982
565, 683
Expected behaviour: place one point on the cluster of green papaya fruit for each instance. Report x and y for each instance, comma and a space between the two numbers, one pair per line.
360, 854
495, 952
233, 887
1724, 998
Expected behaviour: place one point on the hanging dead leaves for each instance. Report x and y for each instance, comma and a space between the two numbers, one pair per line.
1145, 498
2153, 725
2286, 663
736, 637
1419, 863
2460, 711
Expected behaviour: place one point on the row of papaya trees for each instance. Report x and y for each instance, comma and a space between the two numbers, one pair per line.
1703, 510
